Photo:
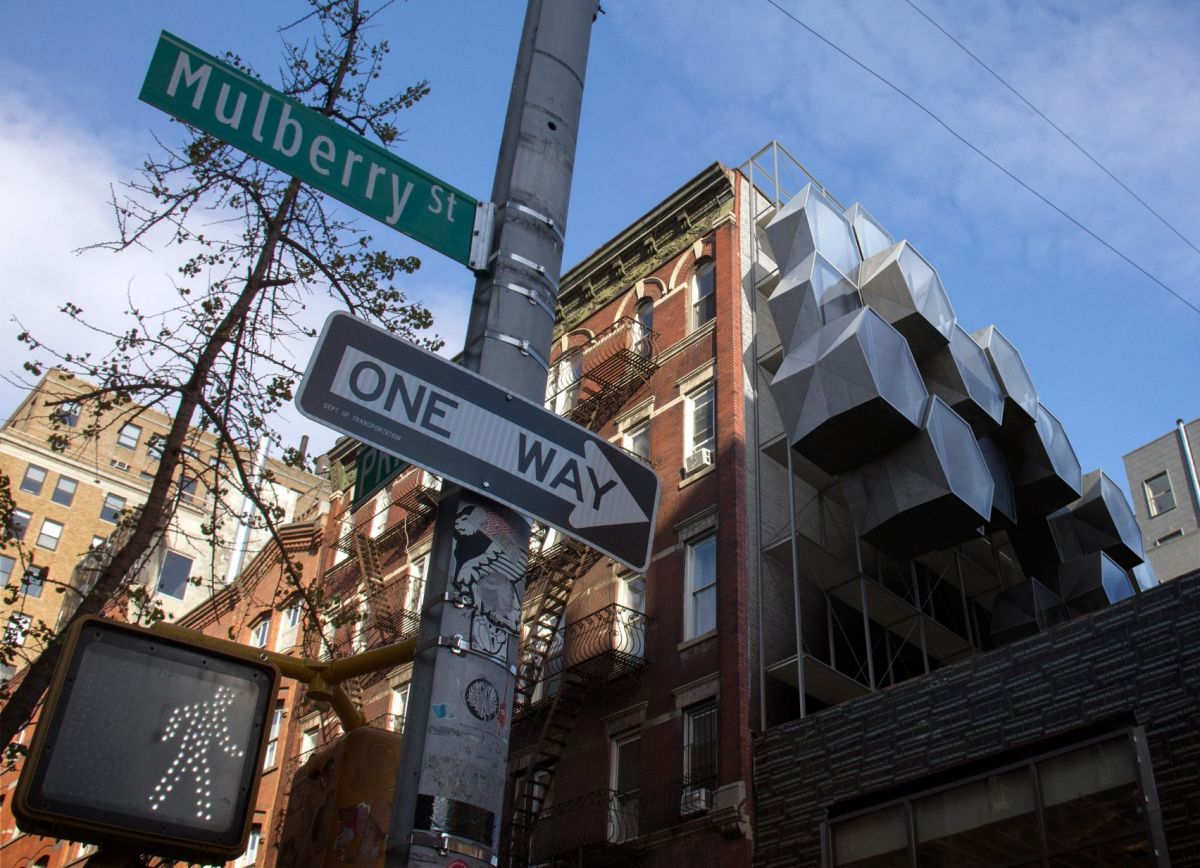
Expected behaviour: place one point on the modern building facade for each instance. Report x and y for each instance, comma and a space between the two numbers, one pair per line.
1166, 498
857, 492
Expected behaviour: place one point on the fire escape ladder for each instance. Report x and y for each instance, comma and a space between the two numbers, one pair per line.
553, 571
616, 363
535, 786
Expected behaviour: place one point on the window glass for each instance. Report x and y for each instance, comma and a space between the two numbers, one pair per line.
173, 579
259, 633
563, 384
64, 491
129, 436
700, 422
111, 510
34, 581
637, 439
6, 568
187, 489
644, 335
704, 299
624, 808
67, 413
154, 446
50, 534
1159, 496
20, 522
273, 736
700, 744
701, 586
17, 629
415, 592
252, 842
379, 515
35, 477
399, 707
286, 638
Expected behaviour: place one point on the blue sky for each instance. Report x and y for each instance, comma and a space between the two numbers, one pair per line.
673, 86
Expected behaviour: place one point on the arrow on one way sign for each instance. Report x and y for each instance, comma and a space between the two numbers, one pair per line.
389, 393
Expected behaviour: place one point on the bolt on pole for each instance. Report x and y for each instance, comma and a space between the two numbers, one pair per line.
450, 785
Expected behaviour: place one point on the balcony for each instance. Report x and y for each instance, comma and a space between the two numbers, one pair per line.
603, 645
616, 363
599, 824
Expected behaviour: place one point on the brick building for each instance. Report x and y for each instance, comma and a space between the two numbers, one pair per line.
1166, 498
772, 596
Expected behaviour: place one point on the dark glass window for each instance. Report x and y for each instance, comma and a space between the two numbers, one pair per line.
700, 744
66, 413
34, 581
20, 522
172, 580
644, 344
64, 491
1159, 496
35, 478
111, 510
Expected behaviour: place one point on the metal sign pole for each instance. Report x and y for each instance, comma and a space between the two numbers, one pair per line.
450, 786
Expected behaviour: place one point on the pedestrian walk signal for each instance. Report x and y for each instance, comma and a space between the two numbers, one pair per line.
149, 743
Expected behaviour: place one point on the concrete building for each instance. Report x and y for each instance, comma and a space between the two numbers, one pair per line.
1166, 498
69, 503
807, 554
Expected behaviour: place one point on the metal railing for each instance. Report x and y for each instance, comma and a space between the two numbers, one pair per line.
599, 820
609, 642
615, 364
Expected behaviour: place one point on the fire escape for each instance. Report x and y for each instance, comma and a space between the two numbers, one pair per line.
558, 664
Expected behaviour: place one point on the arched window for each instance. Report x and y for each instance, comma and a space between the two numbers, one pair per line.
704, 298
562, 386
644, 345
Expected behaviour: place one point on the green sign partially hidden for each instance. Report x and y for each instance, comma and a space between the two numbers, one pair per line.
225, 102
372, 470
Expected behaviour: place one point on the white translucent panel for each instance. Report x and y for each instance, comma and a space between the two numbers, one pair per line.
832, 234
963, 464
928, 294
872, 237
1058, 447
835, 293
976, 373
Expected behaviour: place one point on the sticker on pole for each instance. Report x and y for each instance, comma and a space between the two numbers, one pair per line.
389, 393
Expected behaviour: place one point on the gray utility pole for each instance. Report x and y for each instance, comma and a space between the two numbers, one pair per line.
451, 782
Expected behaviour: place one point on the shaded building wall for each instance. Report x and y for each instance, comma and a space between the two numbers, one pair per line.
1135, 663
1171, 535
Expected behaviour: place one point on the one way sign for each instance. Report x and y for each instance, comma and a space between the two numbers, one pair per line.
391, 394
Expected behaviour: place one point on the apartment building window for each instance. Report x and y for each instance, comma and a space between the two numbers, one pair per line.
250, 857
398, 707
7, 672
98, 542
64, 491
260, 632
700, 581
173, 578
1159, 496
700, 744
34, 581
625, 802
17, 629
50, 534
309, 739
637, 439
288, 630
562, 386
1081, 806
187, 489
66, 413
35, 478
273, 736
154, 446
699, 424
6, 569
111, 510
644, 344
382, 504
704, 297
415, 591
358, 633
20, 522
129, 436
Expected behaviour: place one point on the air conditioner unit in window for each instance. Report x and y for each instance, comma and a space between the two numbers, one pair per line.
695, 800
698, 460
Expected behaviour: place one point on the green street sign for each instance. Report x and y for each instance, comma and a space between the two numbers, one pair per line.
373, 470
226, 103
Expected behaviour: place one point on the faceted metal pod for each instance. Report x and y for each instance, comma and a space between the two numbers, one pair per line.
1101, 520
849, 393
871, 236
1143, 577
810, 296
1093, 581
811, 222
1020, 397
1023, 610
1044, 468
1034, 545
931, 492
908, 293
1004, 499
959, 373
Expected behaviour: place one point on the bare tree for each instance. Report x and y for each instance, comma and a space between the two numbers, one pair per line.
219, 359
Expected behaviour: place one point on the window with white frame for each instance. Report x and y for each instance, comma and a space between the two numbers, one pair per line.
34, 580
700, 744
250, 857
414, 593
704, 296
66, 413
290, 628
379, 517
260, 632
34, 479
173, 577
345, 525
700, 582
64, 491
6, 569
398, 707
358, 633
625, 804
699, 423
17, 629
562, 385
328, 638
637, 438
272, 753
50, 534
644, 343
1159, 495
309, 739
129, 436
111, 510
